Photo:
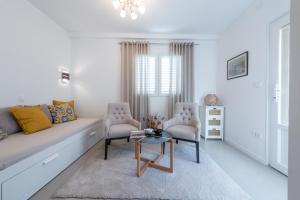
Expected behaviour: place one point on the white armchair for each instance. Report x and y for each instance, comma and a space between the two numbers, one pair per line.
185, 125
119, 123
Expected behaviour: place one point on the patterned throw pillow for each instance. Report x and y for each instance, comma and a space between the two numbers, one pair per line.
62, 113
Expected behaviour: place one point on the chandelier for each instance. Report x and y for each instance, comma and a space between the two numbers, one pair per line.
129, 7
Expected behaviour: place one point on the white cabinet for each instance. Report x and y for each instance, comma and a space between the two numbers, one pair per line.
212, 122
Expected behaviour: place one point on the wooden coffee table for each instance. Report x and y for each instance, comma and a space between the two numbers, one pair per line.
164, 138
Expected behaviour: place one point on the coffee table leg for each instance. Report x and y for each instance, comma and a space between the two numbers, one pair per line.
171, 155
138, 159
162, 148
153, 163
135, 149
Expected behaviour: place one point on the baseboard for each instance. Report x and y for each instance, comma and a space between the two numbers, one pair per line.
247, 152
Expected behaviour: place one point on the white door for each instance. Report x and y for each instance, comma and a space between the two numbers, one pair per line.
279, 92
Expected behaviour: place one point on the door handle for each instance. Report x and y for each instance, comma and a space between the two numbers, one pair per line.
50, 159
92, 133
277, 92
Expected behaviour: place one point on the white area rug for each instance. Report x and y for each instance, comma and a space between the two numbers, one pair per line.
116, 178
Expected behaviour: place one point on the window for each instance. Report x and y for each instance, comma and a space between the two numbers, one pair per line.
169, 76
165, 75
160, 78
145, 75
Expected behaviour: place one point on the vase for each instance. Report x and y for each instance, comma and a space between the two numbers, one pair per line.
211, 100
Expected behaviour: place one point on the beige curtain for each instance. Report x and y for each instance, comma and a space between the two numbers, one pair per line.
134, 62
182, 78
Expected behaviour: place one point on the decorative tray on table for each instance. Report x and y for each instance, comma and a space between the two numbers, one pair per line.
153, 133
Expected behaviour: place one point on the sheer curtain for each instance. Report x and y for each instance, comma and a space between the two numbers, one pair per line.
182, 74
134, 64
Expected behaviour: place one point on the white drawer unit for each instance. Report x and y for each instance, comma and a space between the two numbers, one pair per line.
22, 180
212, 122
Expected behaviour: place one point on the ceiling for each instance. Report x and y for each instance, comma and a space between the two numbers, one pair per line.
161, 17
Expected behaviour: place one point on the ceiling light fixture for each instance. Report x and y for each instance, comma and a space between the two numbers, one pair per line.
129, 7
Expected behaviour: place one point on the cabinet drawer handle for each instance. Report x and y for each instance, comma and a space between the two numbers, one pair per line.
93, 133
50, 159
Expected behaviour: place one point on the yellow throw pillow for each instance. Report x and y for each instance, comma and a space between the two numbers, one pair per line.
58, 103
31, 119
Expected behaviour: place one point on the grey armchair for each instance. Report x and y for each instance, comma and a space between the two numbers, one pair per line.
119, 123
185, 125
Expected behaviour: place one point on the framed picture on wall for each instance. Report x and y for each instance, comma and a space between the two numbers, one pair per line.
238, 66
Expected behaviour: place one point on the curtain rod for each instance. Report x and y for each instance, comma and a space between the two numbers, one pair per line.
161, 43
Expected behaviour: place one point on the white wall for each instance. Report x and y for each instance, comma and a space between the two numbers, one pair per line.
32, 48
294, 140
97, 72
245, 98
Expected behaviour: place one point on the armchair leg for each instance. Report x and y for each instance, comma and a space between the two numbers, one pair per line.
197, 152
128, 139
176, 141
107, 142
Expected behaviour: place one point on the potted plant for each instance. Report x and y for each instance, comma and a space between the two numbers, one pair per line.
154, 122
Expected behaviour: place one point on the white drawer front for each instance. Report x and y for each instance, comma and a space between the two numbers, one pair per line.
214, 122
215, 112
214, 117
25, 184
94, 137
214, 132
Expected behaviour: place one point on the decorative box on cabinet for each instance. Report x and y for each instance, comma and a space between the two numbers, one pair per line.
212, 121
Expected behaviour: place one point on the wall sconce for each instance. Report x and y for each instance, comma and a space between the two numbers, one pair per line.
64, 76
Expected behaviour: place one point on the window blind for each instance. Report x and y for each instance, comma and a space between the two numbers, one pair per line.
145, 75
158, 78
169, 75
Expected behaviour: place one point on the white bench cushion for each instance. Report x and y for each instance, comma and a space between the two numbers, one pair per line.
19, 146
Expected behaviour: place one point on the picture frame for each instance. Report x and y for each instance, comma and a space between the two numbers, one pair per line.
238, 66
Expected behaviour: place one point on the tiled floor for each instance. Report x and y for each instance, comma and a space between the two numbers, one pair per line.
261, 182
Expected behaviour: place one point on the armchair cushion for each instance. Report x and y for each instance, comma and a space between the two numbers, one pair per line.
183, 132
119, 121
185, 124
170, 123
120, 130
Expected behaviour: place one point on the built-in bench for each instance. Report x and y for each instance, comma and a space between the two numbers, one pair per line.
28, 162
